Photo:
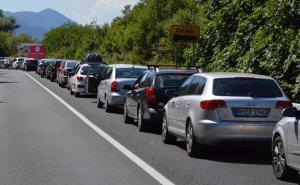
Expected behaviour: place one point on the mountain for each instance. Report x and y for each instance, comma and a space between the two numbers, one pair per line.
37, 24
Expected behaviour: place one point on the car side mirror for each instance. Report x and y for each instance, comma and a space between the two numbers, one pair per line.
127, 87
71, 74
291, 112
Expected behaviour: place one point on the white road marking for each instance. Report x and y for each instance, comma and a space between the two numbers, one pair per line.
142, 164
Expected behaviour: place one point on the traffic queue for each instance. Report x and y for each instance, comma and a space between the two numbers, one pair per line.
204, 109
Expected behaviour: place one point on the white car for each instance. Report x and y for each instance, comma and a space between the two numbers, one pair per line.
111, 92
77, 81
286, 145
17, 64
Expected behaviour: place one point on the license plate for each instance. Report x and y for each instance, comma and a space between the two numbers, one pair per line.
251, 112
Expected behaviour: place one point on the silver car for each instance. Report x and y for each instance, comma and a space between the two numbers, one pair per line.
286, 145
214, 108
115, 77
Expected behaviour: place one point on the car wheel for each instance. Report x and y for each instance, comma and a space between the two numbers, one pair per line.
166, 137
107, 107
192, 146
280, 168
140, 121
99, 103
76, 94
127, 119
71, 91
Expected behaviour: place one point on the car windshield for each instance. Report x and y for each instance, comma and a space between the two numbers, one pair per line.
129, 72
170, 80
71, 64
246, 87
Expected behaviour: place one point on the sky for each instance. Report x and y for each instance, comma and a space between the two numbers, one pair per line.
80, 11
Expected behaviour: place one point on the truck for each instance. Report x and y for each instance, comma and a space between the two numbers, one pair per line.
32, 50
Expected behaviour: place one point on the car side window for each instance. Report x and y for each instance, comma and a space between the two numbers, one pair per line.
77, 70
201, 86
185, 87
108, 73
139, 81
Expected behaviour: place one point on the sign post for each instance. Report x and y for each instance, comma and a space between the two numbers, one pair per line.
180, 33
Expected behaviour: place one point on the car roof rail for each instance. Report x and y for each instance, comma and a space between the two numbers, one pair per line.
156, 67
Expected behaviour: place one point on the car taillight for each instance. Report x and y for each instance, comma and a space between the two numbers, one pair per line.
150, 96
212, 104
284, 104
66, 73
79, 78
114, 86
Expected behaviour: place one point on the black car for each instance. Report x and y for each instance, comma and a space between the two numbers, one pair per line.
152, 90
53, 69
94, 77
30, 64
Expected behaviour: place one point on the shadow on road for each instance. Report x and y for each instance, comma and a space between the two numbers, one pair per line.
234, 154
5, 82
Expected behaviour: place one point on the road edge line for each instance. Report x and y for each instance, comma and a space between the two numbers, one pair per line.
134, 158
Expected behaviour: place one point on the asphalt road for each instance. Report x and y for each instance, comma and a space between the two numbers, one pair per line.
42, 142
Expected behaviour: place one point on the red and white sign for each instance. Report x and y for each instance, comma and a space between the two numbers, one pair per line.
36, 51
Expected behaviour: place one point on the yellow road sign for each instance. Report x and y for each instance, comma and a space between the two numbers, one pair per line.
181, 33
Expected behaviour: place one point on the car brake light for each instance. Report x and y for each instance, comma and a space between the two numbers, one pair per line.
66, 73
114, 86
284, 104
150, 96
212, 104
79, 78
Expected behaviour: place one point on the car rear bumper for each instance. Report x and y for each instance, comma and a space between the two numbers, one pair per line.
154, 116
64, 80
208, 132
116, 99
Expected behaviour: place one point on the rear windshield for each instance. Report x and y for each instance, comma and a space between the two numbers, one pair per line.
246, 87
31, 62
97, 70
170, 80
129, 72
71, 64
84, 70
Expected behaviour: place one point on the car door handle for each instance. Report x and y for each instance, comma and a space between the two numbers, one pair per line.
176, 104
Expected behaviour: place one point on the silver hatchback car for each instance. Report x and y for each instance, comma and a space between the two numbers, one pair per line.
212, 108
286, 145
110, 90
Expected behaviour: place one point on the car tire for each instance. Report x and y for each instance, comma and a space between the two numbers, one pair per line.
141, 124
192, 147
126, 118
107, 106
166, 137
71, 91
76, 94
280, 168
99, 103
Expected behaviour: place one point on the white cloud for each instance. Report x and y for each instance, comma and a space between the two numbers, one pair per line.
105, 10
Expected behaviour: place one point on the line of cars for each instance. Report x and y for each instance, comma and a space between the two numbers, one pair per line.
204, 109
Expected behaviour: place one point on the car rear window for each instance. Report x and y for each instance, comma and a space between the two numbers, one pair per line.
31, 62
96, 70
71, 64
246, 87
84, 70
129, 72
170, 80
